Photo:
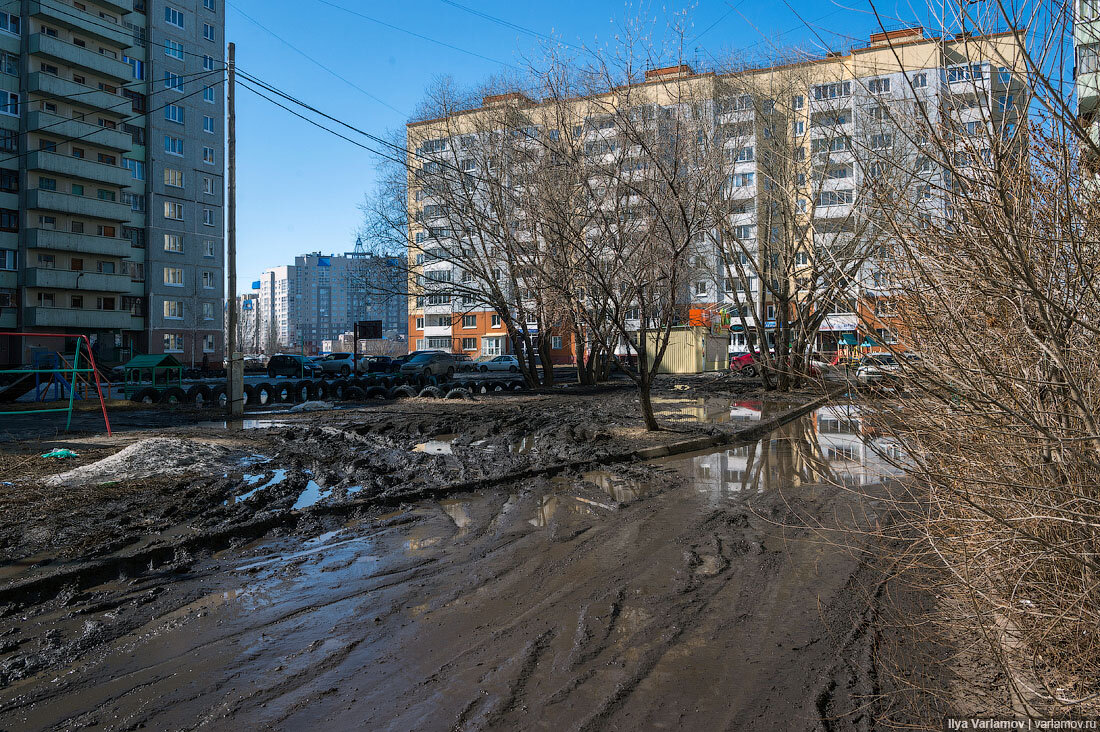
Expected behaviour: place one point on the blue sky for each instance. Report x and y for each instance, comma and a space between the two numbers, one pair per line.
299, 188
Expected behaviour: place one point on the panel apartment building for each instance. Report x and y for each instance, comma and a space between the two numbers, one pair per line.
962, 81
319, 297
111, 157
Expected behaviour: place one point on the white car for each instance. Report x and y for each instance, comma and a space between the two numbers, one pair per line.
500, 363
878, 369
341, 364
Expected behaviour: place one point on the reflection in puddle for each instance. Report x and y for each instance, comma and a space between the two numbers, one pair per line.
311, 495
551, 504
712, 411
458, 510
523, 445
438, 445
276, 479
243, 424
621, 489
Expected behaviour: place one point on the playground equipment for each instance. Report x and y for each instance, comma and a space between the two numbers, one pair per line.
58, 371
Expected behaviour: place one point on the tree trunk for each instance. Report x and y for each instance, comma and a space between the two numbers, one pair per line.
644, 385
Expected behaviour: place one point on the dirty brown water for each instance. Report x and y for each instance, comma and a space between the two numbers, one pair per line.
679, 594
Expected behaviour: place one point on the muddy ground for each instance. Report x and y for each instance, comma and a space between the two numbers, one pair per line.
503, 563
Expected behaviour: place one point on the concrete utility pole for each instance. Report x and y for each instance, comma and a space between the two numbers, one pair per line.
235, 372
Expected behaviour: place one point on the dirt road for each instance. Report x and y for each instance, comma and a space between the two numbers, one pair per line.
683, 593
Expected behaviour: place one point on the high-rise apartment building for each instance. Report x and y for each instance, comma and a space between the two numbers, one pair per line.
838, 122
111, 157
319, 297
1086, 41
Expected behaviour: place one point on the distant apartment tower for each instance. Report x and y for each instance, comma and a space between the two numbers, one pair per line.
248, 323
111, 169
319, 297
1086, 41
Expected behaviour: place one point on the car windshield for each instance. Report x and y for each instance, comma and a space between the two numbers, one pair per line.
886, 360
421, 358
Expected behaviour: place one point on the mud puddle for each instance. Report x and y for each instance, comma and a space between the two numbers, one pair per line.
675, 594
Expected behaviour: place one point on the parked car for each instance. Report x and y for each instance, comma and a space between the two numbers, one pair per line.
292, 365
432, 363
378, 364
744, 363
878, 369
500, 363
404, 359
338, 363
464, 362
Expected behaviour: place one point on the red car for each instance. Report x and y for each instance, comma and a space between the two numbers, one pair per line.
744, 364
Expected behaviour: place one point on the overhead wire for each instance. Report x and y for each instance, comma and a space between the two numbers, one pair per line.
509, 24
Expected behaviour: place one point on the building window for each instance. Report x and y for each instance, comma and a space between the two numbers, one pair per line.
208, 343
208, 32
9, 181
9, 220
798, 101
136, 168
208, 124
173, 113
77, 189
173, 276
920, 80
105, 303
9, 140
173, 81
173, 343
833, 91
47, 184
208, 216
208, 311
419, 321
208, 155
173, 16
208, 63
9, 23
173, 210
136, 201
47, 261
137, 67
878, 86
173, 309
45, 299
208, 4
173, 145
469, 344
47, 222
208, 94
105, 230
208, 185
105, 195
555, 342
492, 346
9, 103
173, 177
173, 243
7, 259
495, 321
469, 321
173, 49
76, 301
208, 280
208, 249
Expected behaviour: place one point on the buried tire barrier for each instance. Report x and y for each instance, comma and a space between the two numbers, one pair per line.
148, 395
402, 392
354, 394
304, 391
376, 392
199, 395
265, 394
459, 393
430, 391
173, 395
337, 388
248, 393
218, 397
320, 390
284, 392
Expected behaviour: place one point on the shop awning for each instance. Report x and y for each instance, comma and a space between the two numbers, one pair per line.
849, 339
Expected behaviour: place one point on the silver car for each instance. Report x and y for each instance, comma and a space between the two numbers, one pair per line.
878, 369
500, 363
338, 363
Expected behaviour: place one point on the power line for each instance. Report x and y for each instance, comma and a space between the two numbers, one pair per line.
315, 61
422, 37
509, 24
96, 131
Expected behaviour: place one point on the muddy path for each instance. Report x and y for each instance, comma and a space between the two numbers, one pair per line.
690, 592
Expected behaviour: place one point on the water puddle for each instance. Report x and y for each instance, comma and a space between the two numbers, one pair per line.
438, 445
313, 493
242, 424
712, 411
251, 479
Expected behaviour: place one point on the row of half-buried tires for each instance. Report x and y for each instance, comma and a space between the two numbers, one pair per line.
292, 392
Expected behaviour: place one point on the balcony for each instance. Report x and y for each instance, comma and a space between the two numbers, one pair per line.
68, 54
64, 241
41, 317
64, 279
80, 168
73, 128
59, 13
78, 205
73, 93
